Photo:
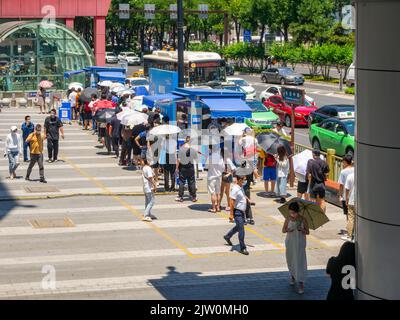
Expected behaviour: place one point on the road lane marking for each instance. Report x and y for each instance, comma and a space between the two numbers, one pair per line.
134, 211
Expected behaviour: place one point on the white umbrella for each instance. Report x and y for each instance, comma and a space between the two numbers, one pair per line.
300, 161
106, 83
235, 129
124, 92
124, 112
165, 129
117, 84
118, 89
134, 119
75, 85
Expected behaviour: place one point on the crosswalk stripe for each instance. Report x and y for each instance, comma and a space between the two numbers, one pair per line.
78, 179
114, 226
54, 166
113, 255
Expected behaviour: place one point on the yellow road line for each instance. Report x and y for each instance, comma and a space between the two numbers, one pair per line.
130, 208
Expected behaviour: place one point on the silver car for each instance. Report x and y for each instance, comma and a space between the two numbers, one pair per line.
282, 76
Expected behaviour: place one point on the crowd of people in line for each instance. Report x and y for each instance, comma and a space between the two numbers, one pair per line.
133, 146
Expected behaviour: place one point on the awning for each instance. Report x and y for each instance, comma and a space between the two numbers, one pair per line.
112, 76
228, 108
141, 91
70, 73
152, 100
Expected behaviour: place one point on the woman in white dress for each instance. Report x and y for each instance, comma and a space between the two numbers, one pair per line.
296, 229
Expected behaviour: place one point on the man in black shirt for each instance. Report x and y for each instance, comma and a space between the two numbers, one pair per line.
115, 129
317, 170
52, 129
185, 166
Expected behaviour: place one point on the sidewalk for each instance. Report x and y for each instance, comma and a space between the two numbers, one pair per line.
100, 248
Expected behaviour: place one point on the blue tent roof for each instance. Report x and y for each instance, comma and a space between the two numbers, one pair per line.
70, 73
112, 76
141, 91
152, 100
195, 93
228, 107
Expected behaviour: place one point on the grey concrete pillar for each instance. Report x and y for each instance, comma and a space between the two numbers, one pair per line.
378, 148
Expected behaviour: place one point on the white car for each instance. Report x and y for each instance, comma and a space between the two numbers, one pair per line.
111, 58
139, 82
276, 91
250, 91
130, 57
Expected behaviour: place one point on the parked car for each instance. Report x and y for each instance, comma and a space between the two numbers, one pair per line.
111, 58
250, 91
139, 82
230, 69
282, 75
333, 133
261, 116
340, 111
350, 78
275, 90
130, 57
284, 111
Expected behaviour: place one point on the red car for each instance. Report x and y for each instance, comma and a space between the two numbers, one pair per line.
284, 111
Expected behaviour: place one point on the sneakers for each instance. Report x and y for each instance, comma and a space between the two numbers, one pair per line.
245, 252
251, 221
194, 199
50, 161
147, 219
153, 217
346, 238
179, 199
228, 241
43, 180
27, 179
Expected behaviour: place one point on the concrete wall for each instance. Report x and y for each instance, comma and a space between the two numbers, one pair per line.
378, 149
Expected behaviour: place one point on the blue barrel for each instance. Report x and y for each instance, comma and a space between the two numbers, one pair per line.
64, 112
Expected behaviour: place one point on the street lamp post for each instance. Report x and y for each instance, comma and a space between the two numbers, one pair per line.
181, 79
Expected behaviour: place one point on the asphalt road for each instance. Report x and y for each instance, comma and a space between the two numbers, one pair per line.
322, 93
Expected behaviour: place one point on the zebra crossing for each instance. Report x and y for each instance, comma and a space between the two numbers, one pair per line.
106, 251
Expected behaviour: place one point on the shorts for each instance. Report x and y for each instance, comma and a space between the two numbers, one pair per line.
317, 190
214, 185
227, 178
302, 187
269, 174
87, 116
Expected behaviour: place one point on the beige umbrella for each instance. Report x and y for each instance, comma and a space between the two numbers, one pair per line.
309, 210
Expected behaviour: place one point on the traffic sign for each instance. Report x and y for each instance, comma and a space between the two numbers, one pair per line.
149, 10
174, 11
247, 35
124, 11
293, 95
204, 9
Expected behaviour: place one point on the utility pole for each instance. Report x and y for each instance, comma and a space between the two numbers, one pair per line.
181, 79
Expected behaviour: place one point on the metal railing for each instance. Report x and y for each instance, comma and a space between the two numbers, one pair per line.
335, 163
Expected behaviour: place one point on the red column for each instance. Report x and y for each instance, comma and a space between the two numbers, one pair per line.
100, 40
69, 22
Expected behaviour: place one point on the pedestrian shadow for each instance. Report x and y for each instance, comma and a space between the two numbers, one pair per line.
104, 153
204, 207
229, 285
130, 168
263, 194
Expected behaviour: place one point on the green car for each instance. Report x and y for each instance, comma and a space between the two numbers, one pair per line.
261, 116
335, 134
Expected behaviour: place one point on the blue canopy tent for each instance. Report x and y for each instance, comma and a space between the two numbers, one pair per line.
227, 108
166, 102
112, 76
141, 91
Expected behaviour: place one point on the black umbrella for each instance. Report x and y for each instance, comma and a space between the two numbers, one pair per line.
271, 141
104, 115
87, 93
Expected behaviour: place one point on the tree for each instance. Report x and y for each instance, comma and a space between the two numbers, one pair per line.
284, 12
313, 22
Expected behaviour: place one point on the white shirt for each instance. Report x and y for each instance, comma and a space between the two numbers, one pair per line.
147, 173
281, 131
13, 142
343, 177
237, 194
215, 165
300, 177
72, 98
282, 168
349, 185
